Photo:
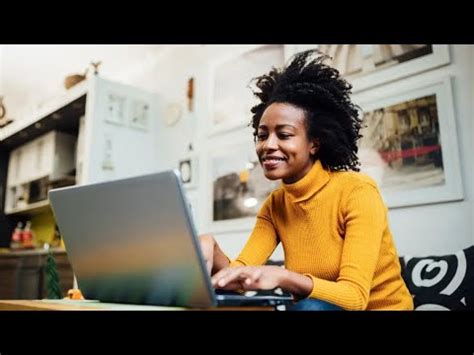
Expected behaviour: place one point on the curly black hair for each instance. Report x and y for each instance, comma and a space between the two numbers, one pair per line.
306, 82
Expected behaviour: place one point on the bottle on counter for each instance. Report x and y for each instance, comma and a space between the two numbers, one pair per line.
16, 240
27, 236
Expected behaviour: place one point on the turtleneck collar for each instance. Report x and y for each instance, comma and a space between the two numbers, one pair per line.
309, 184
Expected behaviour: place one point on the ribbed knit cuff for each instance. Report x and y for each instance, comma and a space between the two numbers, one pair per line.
311, 294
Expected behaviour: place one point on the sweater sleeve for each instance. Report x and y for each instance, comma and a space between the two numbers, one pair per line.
365, 221
262, 241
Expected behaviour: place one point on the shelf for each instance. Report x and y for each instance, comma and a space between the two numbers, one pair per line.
46, 110
30, 208
27, 252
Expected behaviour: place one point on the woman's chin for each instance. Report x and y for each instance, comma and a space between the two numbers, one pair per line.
272, 175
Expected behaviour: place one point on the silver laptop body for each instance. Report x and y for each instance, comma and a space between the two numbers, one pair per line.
133, 241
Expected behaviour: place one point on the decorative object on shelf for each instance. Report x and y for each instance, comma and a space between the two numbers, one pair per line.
96, 65
74, 79
52, 277
56, 239
3, 113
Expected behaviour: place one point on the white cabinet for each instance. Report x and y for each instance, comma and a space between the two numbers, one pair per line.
37, 165
52, 155
100, 130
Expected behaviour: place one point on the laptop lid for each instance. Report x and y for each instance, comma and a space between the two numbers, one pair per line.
133, 241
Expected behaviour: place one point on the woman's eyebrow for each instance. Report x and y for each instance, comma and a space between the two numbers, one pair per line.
280, 126
285, 126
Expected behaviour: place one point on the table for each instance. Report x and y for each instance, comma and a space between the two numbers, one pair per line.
92, 305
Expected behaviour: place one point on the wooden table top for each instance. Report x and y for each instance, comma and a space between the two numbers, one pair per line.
92, 305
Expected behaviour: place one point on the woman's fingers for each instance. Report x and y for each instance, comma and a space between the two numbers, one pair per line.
246, 275
252, 276
225, 276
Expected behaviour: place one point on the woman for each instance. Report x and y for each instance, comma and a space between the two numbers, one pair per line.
331, 219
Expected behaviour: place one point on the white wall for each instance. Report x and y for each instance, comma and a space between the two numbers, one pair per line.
420, 230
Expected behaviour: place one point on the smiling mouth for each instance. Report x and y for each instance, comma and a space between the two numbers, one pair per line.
270, 163
272, 159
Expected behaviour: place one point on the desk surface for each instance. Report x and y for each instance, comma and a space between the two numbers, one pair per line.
91, 305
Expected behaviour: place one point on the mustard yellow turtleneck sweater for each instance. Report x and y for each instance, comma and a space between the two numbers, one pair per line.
333, 227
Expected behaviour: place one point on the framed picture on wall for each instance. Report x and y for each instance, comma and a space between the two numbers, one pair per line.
188, 169
238, 189
409, 144
116, 108
140, 115
365, 66
231, 76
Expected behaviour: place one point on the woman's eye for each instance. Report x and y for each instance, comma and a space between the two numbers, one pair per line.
284, 135
261, 136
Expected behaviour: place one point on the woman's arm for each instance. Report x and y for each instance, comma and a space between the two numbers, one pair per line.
365, 223
214, 256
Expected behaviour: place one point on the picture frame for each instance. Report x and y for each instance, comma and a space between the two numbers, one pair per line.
367, 66
410, 144
140, 115
189, 172
115, 108
231, 96
237, 187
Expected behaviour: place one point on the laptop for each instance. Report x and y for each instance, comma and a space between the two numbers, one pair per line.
133, 241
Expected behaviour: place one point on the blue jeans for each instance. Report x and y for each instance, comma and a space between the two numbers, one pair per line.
312, 304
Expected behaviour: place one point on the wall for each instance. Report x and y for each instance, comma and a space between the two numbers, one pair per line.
420, 230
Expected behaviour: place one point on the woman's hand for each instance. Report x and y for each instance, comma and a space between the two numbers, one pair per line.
249, 278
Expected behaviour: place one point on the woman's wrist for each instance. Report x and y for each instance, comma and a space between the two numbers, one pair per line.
221, 261
295, 283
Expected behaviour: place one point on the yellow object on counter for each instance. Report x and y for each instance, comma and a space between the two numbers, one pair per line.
43, 226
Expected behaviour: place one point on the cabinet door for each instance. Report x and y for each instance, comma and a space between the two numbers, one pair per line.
26, 164
14, 167
44, 155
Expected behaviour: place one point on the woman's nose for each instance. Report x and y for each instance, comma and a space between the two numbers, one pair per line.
271, 143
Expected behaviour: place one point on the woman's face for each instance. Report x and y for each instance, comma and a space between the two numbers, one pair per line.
283, 146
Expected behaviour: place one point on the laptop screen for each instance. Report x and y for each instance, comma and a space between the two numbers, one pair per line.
133, 241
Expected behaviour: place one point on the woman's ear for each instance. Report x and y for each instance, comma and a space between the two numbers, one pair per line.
315, 147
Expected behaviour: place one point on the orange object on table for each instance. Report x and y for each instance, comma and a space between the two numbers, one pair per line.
75, 294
